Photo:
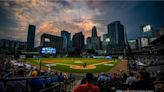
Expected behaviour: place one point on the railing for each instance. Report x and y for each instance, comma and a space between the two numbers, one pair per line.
58, 85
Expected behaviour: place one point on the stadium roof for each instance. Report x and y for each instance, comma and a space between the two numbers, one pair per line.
158, 41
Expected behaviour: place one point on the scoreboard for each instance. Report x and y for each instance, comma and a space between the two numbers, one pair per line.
48, 50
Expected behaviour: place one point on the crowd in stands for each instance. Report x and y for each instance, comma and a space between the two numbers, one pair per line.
103, 82
150, 59
38, 79
110, 82
140, 61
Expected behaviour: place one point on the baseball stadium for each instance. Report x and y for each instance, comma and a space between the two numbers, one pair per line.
81, 45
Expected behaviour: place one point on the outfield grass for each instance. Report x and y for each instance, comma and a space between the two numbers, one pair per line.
63, 68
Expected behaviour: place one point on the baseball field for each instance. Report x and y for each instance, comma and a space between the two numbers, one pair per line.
75, 65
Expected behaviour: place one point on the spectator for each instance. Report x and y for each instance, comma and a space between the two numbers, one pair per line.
138, 75
2, 87
61, 77
110, 76
114, 76
130, 79
88, 86
36, 83
65, 76
48, 80
55, 77
124, 76
144, 83
102, 78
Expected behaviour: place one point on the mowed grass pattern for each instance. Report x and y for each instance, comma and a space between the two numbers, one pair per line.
71, 61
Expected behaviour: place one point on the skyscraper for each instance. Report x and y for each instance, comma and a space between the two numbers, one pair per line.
12, 46
31, 37
89, 43
95, 40
48, 40
94, 31
105, 43
67, 39
116, 36
78, 41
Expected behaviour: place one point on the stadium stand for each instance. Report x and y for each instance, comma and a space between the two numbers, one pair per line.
20, 77
17, 76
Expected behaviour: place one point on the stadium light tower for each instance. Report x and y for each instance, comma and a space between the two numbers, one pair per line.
128, 51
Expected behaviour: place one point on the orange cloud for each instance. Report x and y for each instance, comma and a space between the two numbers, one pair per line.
86, 25
50, 17
48, 27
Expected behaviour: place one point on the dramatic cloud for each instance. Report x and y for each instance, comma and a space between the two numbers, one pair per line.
50, 16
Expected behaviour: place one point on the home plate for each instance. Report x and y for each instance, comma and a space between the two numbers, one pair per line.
109, 64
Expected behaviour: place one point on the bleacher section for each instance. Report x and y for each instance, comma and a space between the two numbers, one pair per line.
18, 78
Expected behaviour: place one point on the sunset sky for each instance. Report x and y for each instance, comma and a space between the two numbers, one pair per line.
52, 16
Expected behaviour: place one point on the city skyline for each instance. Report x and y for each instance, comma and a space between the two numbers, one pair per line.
53, 16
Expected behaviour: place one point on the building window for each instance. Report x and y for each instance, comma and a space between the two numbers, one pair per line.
47, 40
